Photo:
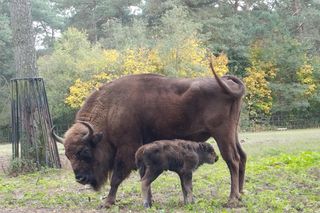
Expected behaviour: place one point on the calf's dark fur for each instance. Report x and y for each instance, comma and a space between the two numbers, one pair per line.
180, 156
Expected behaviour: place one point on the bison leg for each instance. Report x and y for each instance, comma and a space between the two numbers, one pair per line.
118, 175
121, 170
186, 184
146, 181
242, 166
228, 149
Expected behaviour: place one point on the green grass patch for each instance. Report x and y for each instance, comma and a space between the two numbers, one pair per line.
283, 175
48, 188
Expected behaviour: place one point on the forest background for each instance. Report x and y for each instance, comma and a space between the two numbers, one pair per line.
273, 45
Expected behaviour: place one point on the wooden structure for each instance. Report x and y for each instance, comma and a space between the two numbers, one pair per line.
31, 123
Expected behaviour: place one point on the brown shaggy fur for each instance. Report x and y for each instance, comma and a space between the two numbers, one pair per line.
135, 110
182, 157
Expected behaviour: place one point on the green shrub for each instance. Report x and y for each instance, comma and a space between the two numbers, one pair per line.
20, 166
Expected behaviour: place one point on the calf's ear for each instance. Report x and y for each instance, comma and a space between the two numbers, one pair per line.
206, 147
96, 138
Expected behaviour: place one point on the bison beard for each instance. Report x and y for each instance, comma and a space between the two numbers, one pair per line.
134, 110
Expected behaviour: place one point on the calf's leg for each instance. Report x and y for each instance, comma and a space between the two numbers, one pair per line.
142, 173
149, 176
186, 184
184, 191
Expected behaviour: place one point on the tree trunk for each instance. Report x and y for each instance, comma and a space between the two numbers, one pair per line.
30, 115
23, 38
297, 8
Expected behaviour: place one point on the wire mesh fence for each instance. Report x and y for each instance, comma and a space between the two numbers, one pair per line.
60, 129
5, 136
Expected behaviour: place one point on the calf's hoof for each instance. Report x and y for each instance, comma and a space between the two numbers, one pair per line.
147, 204
190, 201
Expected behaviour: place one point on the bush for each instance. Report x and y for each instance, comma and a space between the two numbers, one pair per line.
20, 166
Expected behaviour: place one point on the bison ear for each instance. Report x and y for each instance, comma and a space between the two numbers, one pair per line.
96, 139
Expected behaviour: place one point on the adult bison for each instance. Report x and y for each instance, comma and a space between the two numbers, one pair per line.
134, 110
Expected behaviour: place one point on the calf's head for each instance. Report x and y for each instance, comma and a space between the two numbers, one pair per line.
207, 153
80, 145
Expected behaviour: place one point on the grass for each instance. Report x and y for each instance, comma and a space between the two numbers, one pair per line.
283, 175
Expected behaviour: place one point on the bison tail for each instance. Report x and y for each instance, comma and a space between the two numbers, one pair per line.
236, 94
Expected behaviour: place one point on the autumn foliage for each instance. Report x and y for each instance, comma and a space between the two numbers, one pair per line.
76, 68
188, 61
305, 76
258, 98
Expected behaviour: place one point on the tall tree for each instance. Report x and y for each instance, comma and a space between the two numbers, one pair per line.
6, 62
91, 15
6, 53
23, 38
287, 31
48, 21
30, 116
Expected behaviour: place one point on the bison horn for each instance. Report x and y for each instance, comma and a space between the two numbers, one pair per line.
56, 137
90, 133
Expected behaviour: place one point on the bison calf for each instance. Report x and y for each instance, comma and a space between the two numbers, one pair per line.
182, 157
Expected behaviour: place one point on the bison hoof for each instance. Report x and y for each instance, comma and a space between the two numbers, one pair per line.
243, 192
233, 203
106, 205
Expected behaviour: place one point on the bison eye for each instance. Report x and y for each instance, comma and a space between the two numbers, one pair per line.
84, 155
